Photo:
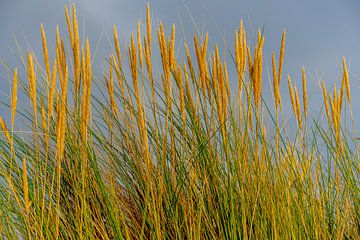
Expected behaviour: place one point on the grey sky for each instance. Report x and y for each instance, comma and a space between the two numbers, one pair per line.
319, 32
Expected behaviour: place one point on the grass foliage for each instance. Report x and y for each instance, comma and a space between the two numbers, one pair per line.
175, 155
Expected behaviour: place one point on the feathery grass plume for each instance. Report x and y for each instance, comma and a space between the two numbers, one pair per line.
117, 48
25, 188
148, 27
43, 117
172, 48
179, 80
205, 66
346, 80
218, 90
85, 105
279, 72
140, 50
73, 30
201, 66
222, 85
281, 57
305, 101
257, 70
219, 85
227, 84
342, 90
6, 132
60, 57
76, 50
298, 108
32, 81
335, 104
148, 52
240, 55
325, 100
52, 92
45, 52
189, 62
275, 83
292, 96
69, 25
164, 52
14, 97
249, 112
277, 99
133, 67
148, 63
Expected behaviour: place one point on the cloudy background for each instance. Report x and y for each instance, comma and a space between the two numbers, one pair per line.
319, 32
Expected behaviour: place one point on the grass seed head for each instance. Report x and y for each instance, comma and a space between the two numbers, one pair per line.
346, 80
281, 57
14, 98
305, 101
45, 52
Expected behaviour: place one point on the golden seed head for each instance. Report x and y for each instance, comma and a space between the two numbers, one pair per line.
133, 61
275, 82
281, 57
298, 108
148, 26
14, 97
181, 94
76, 50
164, 52
68, 22
117, 48
52, 92
227, 85
140, 50
188, 58
305, 102
346, 80
172, 48
292, 96
5, 131
32, 80
257, 70
45, 52
325, 99
43, 117
240, 55
75, 25
250, 61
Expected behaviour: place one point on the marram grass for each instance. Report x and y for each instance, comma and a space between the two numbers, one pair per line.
175, 154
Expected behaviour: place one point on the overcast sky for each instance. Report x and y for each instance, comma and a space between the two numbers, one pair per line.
319, 32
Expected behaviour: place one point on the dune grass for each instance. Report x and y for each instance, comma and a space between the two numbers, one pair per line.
176, 154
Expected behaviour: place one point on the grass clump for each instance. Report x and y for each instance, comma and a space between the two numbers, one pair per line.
179, 156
